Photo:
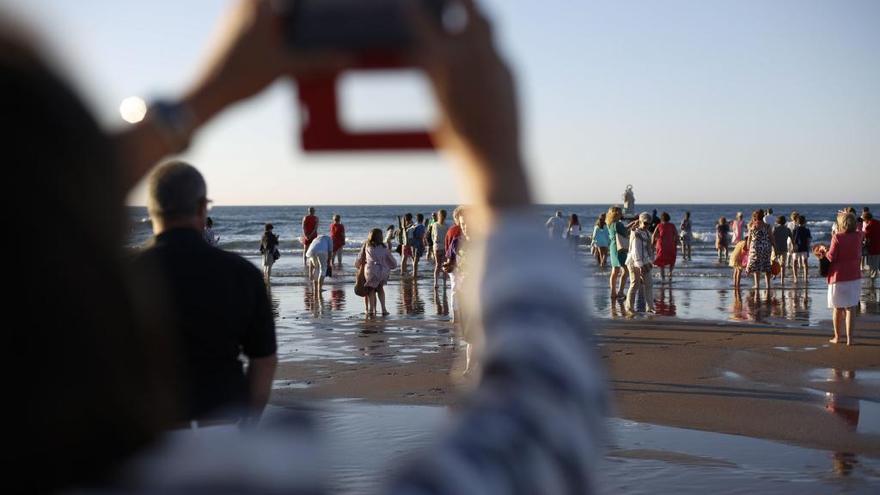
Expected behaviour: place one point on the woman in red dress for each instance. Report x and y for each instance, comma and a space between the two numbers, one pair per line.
665, 240
337, 235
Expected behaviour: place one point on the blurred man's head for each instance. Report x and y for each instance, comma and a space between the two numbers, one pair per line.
177, 197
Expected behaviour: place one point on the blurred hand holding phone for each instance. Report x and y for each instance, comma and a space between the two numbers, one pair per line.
378, 35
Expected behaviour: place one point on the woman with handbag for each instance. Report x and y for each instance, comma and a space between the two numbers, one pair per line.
374, 264
269, 250
844, 274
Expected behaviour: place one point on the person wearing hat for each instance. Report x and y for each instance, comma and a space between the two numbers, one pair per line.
220, 302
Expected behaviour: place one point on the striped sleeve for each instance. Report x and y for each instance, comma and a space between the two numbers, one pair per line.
535, 424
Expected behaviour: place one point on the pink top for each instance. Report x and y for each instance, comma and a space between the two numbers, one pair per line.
845, 255
378, 263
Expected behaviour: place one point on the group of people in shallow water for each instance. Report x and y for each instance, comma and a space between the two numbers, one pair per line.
415, 237
766, 247
632, 248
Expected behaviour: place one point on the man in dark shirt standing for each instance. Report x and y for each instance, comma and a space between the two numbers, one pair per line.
219, 301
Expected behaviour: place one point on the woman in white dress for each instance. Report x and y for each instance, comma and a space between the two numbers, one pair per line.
844, 273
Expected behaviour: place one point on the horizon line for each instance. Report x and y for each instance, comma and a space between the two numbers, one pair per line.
317, 205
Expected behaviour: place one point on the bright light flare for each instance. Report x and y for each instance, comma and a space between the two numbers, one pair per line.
133, 109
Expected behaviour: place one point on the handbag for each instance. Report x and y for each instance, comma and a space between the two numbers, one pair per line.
622, 242
360, 284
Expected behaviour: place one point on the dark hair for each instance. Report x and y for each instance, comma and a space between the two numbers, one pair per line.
337, 218
664, 217
781, 220
722, 221
311, 210
269, 227
687, 214
600, 222
408, 216
573, 220
390, 227
801, 220
441, 214
375, 238
89, 332
419, 217
209, 222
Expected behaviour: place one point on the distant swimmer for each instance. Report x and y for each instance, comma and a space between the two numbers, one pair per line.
629, 200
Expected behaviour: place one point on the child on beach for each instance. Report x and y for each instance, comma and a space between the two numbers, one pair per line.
722, 239
739, 260
800, 240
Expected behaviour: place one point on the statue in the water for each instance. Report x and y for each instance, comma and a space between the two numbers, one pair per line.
629, 200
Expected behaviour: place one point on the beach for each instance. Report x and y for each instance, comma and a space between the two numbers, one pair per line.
766, 381
713, 365
742, 378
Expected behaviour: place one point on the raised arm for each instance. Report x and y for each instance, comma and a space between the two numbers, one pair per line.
536, 419
247, 54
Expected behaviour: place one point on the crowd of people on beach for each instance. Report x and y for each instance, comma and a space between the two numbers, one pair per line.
161, 363
415, 238
766, 247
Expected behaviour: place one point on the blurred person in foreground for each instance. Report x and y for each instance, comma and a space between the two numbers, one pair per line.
534, 423
219, 302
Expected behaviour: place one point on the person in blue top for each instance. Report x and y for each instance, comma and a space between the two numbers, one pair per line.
618, 244
418, 242
599, 241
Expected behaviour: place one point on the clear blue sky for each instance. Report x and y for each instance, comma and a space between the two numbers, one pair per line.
701, 101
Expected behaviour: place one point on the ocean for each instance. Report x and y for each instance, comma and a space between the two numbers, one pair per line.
240, 227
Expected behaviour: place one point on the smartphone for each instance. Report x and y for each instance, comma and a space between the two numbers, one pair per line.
355, 26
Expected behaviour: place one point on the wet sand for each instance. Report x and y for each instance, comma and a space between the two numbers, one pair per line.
761, 379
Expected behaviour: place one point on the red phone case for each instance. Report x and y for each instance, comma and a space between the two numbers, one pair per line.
321, 130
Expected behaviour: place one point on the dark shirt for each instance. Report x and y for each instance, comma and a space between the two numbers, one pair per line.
222, 311
800, 238
781, 234
418, 236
